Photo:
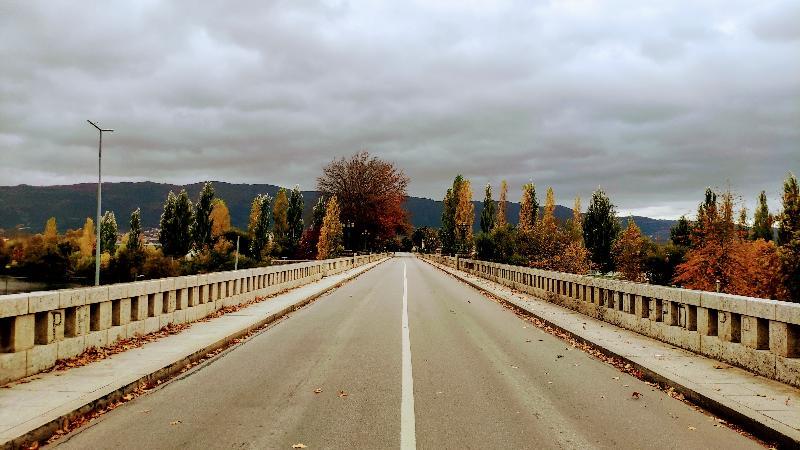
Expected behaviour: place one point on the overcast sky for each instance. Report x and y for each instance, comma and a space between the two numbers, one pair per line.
653, 101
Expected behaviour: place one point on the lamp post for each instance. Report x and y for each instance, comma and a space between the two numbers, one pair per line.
99, 195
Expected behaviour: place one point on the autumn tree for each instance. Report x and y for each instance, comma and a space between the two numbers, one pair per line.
255, 211
501, 220
330, 238
220, 218
50, 234
464, 218
600, 229
447, 233
201, 227
629, 253
552, 247
176, 221
294, 217
370, 193
529, 208
108, 233
789, 238
259, 230
88, 238
489, 212
575, 225
280, 223
308, 242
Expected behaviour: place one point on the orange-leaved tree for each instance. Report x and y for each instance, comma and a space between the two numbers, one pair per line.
330, 237
629, 253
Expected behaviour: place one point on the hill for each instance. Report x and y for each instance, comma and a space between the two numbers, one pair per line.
30, 206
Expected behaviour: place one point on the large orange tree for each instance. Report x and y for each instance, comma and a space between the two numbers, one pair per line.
371, 193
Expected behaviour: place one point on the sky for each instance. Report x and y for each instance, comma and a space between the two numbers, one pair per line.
652, 101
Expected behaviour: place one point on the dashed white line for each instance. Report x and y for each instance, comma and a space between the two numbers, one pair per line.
408, 436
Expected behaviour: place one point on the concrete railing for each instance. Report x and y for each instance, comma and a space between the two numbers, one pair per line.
760, 335
39, 328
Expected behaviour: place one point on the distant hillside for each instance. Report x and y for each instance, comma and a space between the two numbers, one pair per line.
31, 206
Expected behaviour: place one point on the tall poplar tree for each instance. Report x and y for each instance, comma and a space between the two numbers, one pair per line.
489, 212
528, 208
176, 221
108, 233
465, 218
447, 234
201, 228
762, 220
501, 220
330, 238
280, 224
259, 234
789, 238
294, 217
134, 243
600, 229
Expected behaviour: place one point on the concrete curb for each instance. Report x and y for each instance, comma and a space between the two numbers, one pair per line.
761, 426
47, 430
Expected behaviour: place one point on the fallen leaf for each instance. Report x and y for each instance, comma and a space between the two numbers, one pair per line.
175, 422
559, 356
128, 397
616, 378
514, 367
692, 428
299, 446
144, 411
342, 394
636, 395
318, 390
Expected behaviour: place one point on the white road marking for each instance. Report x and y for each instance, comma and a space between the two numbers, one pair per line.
408, 436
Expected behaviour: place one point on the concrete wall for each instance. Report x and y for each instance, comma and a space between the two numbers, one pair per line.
760, 335
38, 328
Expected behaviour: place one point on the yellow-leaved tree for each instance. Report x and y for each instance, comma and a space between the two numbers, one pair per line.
501, 221
330, 237
629, 252
220, 218
465, 218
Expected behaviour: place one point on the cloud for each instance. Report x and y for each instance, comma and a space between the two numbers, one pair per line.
654, 101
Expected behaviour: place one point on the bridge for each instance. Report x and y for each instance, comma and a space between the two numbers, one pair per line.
388, 351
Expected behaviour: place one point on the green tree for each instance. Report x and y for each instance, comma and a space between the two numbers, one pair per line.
681, 233
294, 217
259, 237
489, 212
600, 230
762, 220
528, 208
789, 238
201, 227
465, 218
447, 233
134, 243
176, 221
108, 233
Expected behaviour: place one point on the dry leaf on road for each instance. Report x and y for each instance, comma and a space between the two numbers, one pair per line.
636, 395
299, 446
342, 394
317, 390
175, 422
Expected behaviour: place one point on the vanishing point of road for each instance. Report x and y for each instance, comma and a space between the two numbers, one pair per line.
404, 356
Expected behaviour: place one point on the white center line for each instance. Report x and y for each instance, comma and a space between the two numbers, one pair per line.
408, 437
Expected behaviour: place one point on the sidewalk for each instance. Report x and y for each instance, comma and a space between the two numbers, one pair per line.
769, 408
34, 408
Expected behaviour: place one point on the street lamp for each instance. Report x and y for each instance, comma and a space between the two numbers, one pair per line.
99, 194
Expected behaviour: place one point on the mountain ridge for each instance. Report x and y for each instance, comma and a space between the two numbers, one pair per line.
28, 206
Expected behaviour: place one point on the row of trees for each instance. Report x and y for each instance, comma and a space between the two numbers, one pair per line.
714, 252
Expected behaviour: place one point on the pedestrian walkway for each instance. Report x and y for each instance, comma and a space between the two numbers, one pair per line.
46, 399
768, 405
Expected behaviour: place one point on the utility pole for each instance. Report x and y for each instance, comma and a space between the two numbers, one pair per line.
99, 197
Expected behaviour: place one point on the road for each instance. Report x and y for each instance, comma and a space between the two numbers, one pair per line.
479, 377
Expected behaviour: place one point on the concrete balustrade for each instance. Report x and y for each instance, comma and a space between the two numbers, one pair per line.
39, 328
760, 335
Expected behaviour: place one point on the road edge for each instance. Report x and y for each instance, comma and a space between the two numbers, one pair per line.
44, 432
768, 430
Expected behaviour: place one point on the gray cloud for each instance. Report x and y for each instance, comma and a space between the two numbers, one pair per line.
652, 100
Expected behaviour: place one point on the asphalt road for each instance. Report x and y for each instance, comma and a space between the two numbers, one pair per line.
479, 378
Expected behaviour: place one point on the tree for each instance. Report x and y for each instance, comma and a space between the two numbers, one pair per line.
600, 229
552, 247
575, 225
489, 212
529, 208
629, 253
465, 218
680, 233
330, 238
108, 233
789, 238
220, 218
87, 239
447, 234
370, 193
201, 228
51, 232
134, 242
762, 220
176, 221
294, 217
501, 220
280, 224
259, 234
308, 242
255, 212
